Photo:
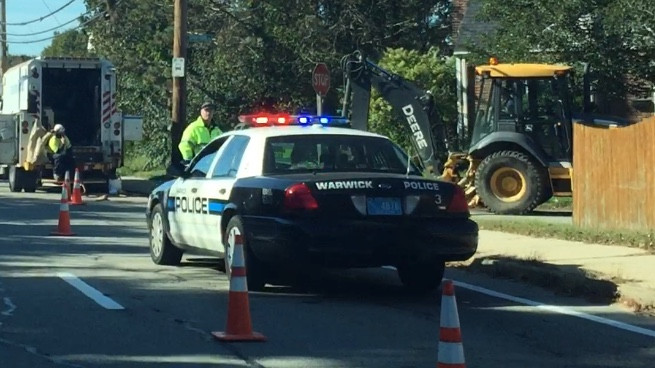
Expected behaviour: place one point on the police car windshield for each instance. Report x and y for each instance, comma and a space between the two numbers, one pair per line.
334, 153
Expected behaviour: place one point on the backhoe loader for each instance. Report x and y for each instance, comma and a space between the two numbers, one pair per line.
521, 147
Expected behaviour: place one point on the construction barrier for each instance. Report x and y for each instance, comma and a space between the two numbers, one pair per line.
76, 198
239, 325
451, 349
64, 224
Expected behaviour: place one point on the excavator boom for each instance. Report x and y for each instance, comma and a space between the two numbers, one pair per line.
414, 105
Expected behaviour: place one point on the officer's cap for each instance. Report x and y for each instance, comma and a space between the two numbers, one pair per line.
208, 104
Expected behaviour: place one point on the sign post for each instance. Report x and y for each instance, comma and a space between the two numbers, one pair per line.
321, 84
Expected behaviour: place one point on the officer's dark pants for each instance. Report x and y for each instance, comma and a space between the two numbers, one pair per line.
63, 162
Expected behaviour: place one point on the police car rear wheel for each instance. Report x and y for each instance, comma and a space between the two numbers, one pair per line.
255, 270
162, 251
421, 277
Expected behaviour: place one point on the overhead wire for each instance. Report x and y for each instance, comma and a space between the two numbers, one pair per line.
53, 36
101, 14
41, 18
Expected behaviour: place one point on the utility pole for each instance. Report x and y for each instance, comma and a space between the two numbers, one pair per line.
3, 41
179, 78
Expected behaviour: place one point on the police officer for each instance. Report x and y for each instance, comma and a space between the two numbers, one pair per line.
200, 132
62, 152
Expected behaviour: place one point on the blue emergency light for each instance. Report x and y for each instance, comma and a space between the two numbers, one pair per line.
260, 120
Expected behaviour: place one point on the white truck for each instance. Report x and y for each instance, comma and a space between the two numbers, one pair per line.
80, 94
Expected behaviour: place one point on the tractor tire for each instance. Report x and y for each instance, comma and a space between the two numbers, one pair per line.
511, 183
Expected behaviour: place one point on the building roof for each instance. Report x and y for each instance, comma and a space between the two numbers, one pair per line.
471, 29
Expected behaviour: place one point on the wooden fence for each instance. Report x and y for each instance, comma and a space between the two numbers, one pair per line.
614, 176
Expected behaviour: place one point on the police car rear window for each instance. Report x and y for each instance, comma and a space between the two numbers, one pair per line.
333, 153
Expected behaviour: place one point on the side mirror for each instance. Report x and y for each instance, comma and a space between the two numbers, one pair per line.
177, 170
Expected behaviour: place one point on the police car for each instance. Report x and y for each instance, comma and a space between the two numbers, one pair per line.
305, 191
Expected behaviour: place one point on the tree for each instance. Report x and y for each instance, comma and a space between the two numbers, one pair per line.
427, 70
72, 43
261, 56
615, 37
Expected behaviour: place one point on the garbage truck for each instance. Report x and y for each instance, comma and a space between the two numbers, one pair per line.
80, 94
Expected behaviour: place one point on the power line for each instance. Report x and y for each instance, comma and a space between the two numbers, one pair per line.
53, 36
48, 7
45, 31
41, 18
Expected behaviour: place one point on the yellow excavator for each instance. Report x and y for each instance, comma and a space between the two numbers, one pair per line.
521, 146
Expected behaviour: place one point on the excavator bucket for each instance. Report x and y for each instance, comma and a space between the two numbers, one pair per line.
452, 172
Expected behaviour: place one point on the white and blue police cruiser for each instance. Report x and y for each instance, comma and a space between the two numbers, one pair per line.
302, 191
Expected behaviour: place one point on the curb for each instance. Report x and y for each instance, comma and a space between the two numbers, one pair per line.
565, 280
138, 186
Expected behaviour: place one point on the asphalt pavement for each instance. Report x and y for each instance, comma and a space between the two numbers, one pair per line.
96, 300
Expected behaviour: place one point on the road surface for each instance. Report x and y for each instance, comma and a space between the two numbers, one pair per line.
96, 300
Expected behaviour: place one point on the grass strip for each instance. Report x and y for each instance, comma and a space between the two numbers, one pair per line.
542, 229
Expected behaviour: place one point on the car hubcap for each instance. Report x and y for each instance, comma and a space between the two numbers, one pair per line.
508, 184
156, 235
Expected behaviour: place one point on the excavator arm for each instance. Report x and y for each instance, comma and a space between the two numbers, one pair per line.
414, 105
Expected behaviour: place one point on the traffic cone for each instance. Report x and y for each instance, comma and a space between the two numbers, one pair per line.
239, 326
67, 183
64, 225
451, 350
76, 198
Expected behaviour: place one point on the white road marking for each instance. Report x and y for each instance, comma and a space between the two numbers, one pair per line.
557, 309
11, 307
105, 301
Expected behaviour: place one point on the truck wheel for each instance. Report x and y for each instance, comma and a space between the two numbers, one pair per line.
30, 181
256, 272
421, 277
509, 182
15, 179
162, 250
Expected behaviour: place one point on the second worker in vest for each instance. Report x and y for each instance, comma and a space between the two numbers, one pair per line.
200, 132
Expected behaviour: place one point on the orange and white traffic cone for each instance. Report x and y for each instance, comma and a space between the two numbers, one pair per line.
239, 326
64, 225
76, 198
67, 183
451, 349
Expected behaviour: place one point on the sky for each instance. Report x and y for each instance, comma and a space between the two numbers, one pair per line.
26, 10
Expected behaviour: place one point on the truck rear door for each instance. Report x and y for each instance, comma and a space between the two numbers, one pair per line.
8, 139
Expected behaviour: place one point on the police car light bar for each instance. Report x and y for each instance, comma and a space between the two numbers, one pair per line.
256, 120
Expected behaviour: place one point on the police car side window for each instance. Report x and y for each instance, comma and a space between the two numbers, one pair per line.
230, 159
205, 158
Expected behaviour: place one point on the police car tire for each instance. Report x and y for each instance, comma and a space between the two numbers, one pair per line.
170, 255
421, 277
256, 272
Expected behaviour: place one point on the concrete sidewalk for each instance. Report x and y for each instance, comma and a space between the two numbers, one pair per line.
601, 273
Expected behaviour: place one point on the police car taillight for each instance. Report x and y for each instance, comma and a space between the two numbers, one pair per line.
299, 197
458, 201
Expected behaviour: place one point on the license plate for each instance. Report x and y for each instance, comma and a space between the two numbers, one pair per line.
383, 206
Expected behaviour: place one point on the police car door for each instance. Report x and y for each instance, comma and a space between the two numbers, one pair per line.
189, 205
218, 189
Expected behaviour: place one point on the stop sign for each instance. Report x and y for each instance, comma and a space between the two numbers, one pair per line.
321, 79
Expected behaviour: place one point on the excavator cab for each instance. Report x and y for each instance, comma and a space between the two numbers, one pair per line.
521, 149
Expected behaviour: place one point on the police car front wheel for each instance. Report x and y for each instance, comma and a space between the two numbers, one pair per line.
162, 251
